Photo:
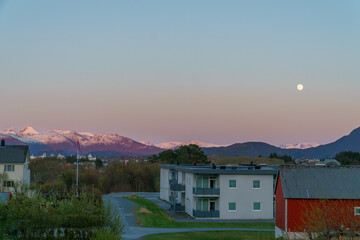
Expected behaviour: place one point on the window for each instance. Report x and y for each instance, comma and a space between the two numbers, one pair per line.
256, 184
202, 182
257, 206
357, 211
232, 206
8, 168
232, 183
202, 204
8, 183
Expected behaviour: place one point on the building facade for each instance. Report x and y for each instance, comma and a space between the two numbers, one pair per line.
14, 167
220, 192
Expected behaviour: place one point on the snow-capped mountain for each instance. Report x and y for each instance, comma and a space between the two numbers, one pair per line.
65, 141
174, 145
299, 145
27, 131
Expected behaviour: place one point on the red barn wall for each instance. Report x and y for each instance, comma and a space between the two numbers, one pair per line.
296, 212
279, 205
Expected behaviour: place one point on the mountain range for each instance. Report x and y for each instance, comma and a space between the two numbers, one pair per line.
65, 142
101, 144
349, 142
299, 145
174, 145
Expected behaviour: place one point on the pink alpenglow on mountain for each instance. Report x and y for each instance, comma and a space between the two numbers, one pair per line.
174, 145
27, 131
299, 145
66, 141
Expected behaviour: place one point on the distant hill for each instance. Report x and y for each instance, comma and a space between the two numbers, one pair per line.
350, 142
250, 149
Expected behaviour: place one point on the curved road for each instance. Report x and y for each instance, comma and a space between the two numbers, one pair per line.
132, 231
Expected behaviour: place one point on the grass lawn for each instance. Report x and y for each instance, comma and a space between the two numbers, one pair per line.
151, 215
228, 235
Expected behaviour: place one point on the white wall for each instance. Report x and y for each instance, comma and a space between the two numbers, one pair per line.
16, 175
164, 184
26, 172
189, 199
244, 196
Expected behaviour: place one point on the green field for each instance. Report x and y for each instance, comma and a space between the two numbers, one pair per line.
151, 215
228, 235
246, 160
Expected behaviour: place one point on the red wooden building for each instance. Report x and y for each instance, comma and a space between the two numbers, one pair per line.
316, 199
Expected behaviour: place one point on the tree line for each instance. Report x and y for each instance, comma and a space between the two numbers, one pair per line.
187, 154
287, 159
348, 158
55, 175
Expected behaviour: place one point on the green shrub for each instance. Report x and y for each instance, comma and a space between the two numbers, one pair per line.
103, 234
37, 217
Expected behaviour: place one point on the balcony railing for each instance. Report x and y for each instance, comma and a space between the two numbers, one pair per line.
174, 186
206, 191
206, 214
177, 207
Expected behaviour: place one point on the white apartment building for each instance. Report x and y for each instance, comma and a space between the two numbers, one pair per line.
14, 169
220, 192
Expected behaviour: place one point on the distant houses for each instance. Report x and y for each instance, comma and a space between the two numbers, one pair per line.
219, 192
316, 200
89, 157
14, 169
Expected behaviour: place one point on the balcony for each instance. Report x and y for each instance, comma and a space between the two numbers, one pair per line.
206, 191
174, 186
177, 207
206, 214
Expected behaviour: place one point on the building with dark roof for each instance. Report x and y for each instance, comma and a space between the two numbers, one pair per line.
219, 191
14, 170
300, 190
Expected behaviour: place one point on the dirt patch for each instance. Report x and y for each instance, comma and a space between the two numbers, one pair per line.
144, 210
133, 195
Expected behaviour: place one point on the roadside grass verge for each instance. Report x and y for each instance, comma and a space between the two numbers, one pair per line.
212, 235
155, 217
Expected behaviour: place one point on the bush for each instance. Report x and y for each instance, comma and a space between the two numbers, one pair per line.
103, 234
38, 217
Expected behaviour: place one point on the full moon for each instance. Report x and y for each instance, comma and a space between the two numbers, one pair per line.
299, 87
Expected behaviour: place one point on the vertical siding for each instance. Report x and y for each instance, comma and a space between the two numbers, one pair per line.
279, 206
297, 211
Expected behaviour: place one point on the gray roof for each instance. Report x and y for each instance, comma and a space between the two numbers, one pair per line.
13, 154
318, 182
223, 169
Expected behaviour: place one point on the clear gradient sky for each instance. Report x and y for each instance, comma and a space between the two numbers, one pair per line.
216, 71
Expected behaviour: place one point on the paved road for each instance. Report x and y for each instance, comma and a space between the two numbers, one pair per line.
128, 218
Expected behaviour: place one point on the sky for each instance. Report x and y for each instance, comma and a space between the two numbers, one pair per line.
215, 71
